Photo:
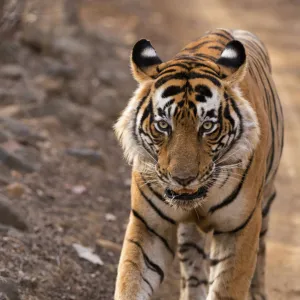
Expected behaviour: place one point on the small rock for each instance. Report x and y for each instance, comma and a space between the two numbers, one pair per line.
19, 130
8, 289
72, 46
29, 282
127, 182
4, 136
78, 189
110, 217
16, 163
79, 93
87, 254
15, 190
86, 154
107, 102
4, 179
12, 71
60, 70
7, 96
51, 123
10, 110
8, 216
49, 83
108, 245
98, 119
36, 39
16, 175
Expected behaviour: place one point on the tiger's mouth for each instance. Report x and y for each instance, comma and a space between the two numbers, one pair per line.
186, 195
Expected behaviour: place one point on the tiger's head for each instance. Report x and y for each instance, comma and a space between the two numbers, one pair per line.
188, 121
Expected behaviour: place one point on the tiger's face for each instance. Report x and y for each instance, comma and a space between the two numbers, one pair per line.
187, 124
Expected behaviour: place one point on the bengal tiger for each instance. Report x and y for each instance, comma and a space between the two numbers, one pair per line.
204, 134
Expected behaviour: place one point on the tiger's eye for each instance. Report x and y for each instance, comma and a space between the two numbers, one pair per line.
208, 125
163, 125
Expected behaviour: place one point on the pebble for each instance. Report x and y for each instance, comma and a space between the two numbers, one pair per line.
19, 130
7, 96
78, 189
15, 189
72, 46
50, 123
79, 93
8, 289
10, 110
49, 83
61, 70
12, 71
9, 217
86, 154
108, 245
16, 163
110, 217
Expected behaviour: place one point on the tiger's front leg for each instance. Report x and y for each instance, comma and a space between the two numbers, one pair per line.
194, 262
149, 247
233, 260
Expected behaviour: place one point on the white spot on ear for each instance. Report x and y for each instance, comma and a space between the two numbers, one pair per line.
229, 53
148, 52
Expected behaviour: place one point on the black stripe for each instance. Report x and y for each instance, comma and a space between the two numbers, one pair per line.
158, 195
203, 90
172, 90
204, 56
159, 212
150, 264
234, 194
216, 48
166, 71
242, 226
168, 104
183, 259
148, 283
197, 46
237, 111
136, 114
214, 80
263, 232
207, 68
163, 80
267, 207
185, 247
193, 281
164, 241
181, 65
227, 37
215, 261
144, 279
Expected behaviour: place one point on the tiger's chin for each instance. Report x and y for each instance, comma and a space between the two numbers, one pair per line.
184, 198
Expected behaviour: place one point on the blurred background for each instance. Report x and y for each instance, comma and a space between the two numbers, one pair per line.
64, 186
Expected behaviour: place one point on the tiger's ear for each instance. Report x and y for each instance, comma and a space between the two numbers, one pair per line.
144, 61
233, 62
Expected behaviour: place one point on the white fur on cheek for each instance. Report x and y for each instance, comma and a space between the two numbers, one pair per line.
126, 126
245, 146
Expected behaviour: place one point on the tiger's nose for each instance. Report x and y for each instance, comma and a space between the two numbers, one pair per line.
184, 181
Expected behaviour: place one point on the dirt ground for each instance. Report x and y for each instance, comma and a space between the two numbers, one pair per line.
62, 171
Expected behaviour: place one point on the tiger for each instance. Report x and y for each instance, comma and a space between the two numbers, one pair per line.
204, 134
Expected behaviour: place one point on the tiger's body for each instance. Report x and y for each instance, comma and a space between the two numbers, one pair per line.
204, 132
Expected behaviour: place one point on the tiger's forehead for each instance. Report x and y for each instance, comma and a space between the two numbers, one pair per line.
187, 93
